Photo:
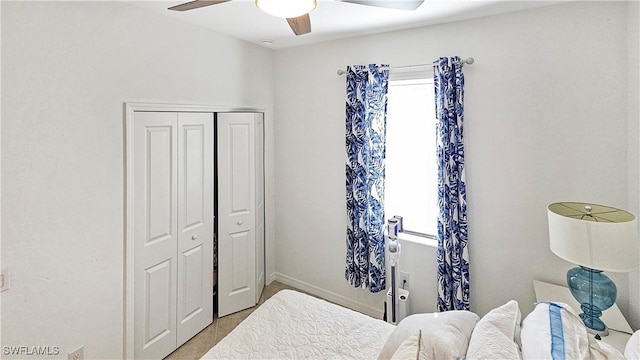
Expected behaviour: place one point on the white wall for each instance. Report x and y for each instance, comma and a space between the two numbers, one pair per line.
633, 66
545, 121
67, 69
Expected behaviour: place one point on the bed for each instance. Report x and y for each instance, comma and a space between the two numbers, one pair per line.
293, 325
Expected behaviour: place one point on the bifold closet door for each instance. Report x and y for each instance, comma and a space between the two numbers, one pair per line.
155, 234
237, 211
173, 229
195, 224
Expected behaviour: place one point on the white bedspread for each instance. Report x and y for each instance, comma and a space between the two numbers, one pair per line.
292, 325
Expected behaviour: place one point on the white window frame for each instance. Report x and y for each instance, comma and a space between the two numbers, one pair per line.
417, 74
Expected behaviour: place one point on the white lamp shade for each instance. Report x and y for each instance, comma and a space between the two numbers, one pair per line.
603, 238
286, 8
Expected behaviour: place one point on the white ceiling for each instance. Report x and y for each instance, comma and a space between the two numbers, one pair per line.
331, 19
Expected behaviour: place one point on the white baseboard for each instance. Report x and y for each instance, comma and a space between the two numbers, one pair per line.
328, 295
271, 278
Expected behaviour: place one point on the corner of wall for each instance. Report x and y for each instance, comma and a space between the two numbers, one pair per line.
633, 113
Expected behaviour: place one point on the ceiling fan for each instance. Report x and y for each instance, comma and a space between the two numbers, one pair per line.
297, 11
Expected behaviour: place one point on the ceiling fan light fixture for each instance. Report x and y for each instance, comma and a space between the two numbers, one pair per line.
286, 8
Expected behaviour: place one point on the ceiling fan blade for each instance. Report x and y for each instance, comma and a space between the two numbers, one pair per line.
390, 4
300, 25
196, 4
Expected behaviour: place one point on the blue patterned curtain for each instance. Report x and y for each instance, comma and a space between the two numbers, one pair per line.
452, 255
366, 117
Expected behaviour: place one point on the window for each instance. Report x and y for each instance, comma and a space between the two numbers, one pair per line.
411, 188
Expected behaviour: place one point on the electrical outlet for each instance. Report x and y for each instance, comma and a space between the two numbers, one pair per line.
77, 354
404, 280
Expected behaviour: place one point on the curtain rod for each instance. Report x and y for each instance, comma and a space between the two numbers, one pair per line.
467, 61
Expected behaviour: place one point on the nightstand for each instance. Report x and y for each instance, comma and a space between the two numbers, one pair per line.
619, 329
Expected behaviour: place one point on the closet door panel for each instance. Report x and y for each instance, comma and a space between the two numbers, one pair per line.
190, 280
240, 275
155, 234
195, 223
239, 173
158, 304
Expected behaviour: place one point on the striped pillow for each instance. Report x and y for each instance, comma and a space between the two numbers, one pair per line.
554, 331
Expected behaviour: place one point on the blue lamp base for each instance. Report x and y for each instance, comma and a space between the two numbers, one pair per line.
595, 292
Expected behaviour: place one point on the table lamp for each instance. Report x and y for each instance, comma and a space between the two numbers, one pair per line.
597, 238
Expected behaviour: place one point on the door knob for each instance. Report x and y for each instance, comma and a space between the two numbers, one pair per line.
193, 237
239, 222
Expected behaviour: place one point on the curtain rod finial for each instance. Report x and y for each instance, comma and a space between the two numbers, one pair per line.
469, 60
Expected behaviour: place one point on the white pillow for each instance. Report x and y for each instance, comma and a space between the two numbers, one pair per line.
554, 328
494, 336
445, 335
632, 350
599, 350
411, 349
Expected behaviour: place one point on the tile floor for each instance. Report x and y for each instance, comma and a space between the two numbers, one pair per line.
207, 338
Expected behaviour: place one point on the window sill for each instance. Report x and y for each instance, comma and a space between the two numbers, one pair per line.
421, 240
